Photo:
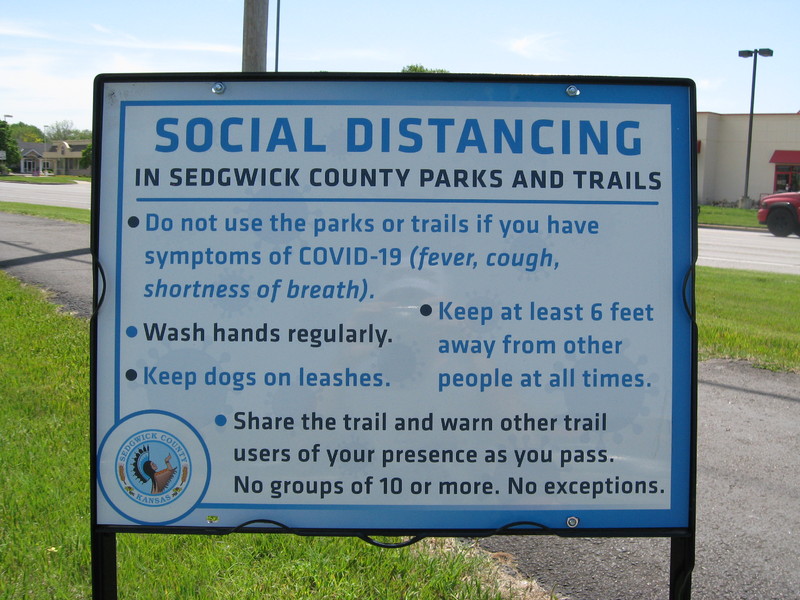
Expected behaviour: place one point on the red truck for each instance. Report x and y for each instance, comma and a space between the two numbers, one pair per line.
780, 213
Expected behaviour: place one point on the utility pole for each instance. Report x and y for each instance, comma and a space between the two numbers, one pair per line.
254, 37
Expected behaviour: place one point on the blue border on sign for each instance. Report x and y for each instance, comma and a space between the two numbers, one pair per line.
450, 93
406, 200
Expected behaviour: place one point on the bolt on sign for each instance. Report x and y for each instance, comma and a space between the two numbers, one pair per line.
415, 304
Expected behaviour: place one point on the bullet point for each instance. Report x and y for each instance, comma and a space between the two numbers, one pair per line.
221, 420
133, 222
425, 310
130, 375
131, 331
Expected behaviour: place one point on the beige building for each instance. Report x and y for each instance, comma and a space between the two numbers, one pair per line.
53, 158
722, 154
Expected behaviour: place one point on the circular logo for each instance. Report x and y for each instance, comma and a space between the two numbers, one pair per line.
153, 467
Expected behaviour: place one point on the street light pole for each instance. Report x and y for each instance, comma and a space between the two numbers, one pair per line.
745, 199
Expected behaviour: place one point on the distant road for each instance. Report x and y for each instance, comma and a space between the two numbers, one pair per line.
723, 248
70, 195
751, 250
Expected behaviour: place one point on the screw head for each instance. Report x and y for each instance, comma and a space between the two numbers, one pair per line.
218, 88
572, 90
573, 522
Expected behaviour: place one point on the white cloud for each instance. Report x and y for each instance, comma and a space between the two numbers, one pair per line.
171, 45
116, 39
16, 30
540, 46
101, 28
709, 84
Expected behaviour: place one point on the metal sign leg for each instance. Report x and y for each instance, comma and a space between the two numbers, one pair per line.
680, 568
104, 566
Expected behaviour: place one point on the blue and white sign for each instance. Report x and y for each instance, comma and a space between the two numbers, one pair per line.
394, 303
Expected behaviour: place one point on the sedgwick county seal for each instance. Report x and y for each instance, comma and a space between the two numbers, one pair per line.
153, 467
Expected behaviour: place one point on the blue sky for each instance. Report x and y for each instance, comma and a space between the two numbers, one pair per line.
50, 51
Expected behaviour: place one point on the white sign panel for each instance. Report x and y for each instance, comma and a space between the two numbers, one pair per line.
391, 303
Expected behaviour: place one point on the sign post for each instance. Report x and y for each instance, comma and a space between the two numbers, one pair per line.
371, 305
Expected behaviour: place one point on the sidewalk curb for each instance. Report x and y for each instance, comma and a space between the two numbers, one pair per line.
732, 227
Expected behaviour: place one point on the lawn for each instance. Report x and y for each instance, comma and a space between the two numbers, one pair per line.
729, 217
75, 215
45, 518
46, 180
746, 315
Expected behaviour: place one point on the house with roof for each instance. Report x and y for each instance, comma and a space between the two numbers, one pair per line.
32, 161
53, 158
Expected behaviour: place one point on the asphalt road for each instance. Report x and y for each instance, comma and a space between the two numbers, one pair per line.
751, 250
70, 195
53, 255
748, 479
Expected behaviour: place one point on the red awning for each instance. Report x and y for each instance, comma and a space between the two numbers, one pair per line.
786, 157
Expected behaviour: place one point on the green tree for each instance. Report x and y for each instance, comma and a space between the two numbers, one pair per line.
22, 132
421, 69
8, 145
65, 130
86, 157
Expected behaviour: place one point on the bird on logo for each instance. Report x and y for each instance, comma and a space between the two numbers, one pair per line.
147, 470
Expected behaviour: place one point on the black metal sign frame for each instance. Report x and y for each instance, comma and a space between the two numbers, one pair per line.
180, 179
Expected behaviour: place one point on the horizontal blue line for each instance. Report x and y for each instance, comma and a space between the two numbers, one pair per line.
410, 201
444, 508
374, 507
287, 102
238, 506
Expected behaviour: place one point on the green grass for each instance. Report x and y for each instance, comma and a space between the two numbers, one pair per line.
44, 502
732, 217
749, 315
76, 215
49, 180
44, 519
